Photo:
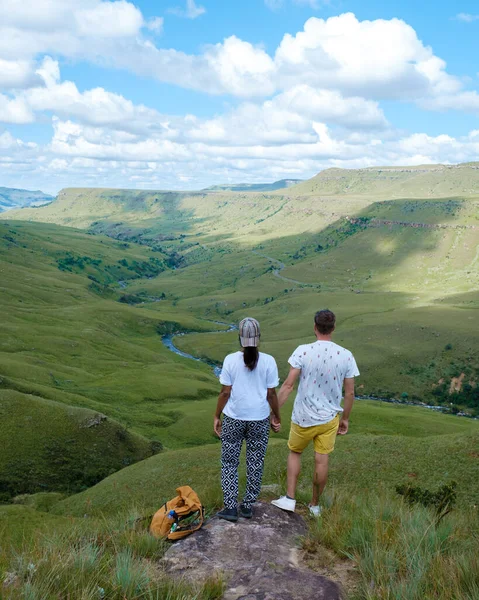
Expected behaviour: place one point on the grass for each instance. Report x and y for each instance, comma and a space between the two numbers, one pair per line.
406, 300
48, 446
387, 284
116, 560
400, 552
71, 344
68, 353
382, 451
394, 182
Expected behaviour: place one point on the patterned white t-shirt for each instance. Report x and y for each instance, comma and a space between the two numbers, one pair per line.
324, 367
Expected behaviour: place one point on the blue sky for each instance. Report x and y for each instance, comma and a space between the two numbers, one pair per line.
183, 94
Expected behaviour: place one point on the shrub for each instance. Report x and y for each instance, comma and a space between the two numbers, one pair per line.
442, 500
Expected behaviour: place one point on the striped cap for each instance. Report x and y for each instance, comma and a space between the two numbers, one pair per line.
249, 332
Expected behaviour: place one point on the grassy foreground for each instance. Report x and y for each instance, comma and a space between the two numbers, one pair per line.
95, 544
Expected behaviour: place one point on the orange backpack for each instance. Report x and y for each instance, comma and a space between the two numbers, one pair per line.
179, 517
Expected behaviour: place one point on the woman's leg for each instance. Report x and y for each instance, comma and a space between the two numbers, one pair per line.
257, 435
232, 435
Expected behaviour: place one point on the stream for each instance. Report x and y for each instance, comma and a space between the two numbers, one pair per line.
168, 341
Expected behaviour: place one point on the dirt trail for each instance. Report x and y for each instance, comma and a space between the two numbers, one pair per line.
281, 267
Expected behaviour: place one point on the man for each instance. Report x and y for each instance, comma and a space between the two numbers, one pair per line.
323, 367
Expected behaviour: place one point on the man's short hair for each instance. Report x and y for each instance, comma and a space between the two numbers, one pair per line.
325, 321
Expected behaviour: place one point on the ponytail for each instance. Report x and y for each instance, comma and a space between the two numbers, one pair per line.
251, 356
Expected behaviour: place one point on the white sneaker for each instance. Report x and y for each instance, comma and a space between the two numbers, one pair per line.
285, 503
315, 511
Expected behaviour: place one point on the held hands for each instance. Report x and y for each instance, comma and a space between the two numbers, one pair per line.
217, 426
343, 427
275, 424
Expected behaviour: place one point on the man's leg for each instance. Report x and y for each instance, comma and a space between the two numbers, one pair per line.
294, 468
299, 438
320, 476
323, 446
257, 435
232, 435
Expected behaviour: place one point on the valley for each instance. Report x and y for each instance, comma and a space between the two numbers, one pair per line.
104, 420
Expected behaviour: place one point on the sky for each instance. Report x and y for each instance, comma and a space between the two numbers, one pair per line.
184, 94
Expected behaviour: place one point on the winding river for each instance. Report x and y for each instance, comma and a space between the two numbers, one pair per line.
168, 341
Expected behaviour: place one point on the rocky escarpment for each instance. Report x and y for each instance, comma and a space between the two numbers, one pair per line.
259, 559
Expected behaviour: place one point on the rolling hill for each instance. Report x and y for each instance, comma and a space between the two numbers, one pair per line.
49, 446
394, 270
425, 181
91, 283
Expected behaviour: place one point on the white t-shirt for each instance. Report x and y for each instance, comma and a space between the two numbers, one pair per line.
324, 367
248, 400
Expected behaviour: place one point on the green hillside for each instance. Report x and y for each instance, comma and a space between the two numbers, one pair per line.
90, 285
157, 218
393, 270
48, 446
73, 339
424, 181
382, 450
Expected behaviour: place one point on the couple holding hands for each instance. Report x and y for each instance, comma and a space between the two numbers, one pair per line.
250, 406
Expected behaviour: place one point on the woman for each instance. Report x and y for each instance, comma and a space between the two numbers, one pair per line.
249, 379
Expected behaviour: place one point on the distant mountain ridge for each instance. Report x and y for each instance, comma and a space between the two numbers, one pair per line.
254, 187
11, 198
423, 181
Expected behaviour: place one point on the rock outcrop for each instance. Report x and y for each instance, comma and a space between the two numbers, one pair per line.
258, 558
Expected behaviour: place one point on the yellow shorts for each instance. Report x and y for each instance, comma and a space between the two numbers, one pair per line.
324, 437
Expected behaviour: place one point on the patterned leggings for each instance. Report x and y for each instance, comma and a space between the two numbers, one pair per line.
256, 434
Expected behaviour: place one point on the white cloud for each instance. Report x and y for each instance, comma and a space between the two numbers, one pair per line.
15, 111
313, 103
17, 74
156, 24
285, 117
466, 17
467, 101
376, 59
89, 155
192, 10
109, 19
380, 59
91, 29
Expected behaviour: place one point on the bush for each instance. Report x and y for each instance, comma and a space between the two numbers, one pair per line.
442, 500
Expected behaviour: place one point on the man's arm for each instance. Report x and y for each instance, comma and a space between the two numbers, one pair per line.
288, 385
223, 398
347, 406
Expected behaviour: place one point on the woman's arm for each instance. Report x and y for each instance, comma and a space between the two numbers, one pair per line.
274, 405
222, 400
